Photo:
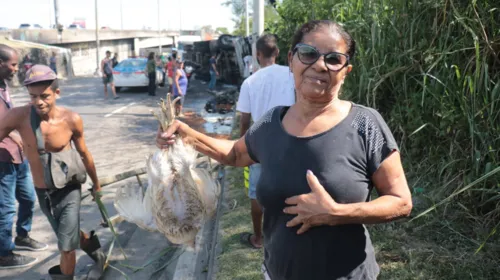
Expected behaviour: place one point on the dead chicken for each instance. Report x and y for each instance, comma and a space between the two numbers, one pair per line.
179, 197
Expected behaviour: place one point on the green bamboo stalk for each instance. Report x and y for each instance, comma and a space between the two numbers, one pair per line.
103, 210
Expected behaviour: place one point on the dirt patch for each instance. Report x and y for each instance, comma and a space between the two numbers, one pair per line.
196, 122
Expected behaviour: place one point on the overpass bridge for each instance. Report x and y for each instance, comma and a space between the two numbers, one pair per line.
82, 43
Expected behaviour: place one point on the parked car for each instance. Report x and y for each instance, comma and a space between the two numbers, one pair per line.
3, 29
131, 72
75, 26
30, 26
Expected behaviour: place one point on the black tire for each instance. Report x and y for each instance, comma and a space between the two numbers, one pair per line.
118, 89
225, 42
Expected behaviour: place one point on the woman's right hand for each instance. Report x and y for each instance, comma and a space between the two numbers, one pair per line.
164, 139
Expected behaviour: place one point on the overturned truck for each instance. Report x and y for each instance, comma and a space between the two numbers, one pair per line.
229, 51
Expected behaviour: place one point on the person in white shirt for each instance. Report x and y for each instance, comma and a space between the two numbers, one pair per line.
271, 86
248, 60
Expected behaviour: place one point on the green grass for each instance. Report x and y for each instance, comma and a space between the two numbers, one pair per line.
405, 252
237, 261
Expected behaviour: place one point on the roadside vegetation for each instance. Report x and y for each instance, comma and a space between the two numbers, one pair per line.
432, 68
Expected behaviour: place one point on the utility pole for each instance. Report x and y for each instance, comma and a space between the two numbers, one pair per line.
258, 26
50, 16
247, 21
180, 16
56, 11
59, 26
121, 13
97, 38
159, 30
260, 16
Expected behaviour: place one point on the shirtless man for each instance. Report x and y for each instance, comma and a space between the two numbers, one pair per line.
107, 75
59, 127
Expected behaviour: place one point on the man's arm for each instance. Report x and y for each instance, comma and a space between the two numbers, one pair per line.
102, 67
81, 147
244, 123
214, 66
10, 122
177, 77
13, 135
244, 106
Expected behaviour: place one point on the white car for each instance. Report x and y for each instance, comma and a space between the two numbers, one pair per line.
30, 26
131, 72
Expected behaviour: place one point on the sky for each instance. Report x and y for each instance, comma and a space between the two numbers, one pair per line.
189, 14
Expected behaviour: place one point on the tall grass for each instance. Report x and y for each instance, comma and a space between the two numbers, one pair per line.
432, 68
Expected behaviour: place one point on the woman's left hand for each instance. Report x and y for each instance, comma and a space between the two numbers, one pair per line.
312, 209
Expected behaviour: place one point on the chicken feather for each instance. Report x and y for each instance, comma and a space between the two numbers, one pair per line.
179, 197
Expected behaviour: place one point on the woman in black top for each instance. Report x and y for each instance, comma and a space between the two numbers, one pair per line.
320, 160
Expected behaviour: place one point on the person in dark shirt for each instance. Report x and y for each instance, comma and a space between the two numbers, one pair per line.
53, 62
151, 69
115, 60
320, 158
16, 182
213, 72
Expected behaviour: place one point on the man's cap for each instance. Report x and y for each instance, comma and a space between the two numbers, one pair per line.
39, 73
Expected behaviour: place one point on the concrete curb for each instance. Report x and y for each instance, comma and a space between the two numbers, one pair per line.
215, 246
215, 232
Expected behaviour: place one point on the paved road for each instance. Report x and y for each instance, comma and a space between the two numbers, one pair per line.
120, 134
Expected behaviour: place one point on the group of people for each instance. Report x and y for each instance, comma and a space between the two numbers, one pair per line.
33, 139
174, 70
314, 160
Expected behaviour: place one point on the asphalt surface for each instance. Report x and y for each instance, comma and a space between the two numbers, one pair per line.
119, 134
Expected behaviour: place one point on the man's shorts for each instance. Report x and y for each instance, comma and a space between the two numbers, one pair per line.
62, 209
107, 79
170, 81
253, 180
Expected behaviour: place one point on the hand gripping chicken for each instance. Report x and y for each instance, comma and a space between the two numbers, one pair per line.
179, 197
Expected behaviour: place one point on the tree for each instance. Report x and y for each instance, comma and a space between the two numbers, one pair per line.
238, 9
240, 27
222, 30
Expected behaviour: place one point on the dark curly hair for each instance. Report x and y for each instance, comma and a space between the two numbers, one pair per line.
314, 25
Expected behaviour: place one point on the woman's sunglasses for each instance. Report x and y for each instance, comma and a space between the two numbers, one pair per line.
308, 55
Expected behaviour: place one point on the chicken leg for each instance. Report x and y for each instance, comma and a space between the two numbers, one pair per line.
167, 112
